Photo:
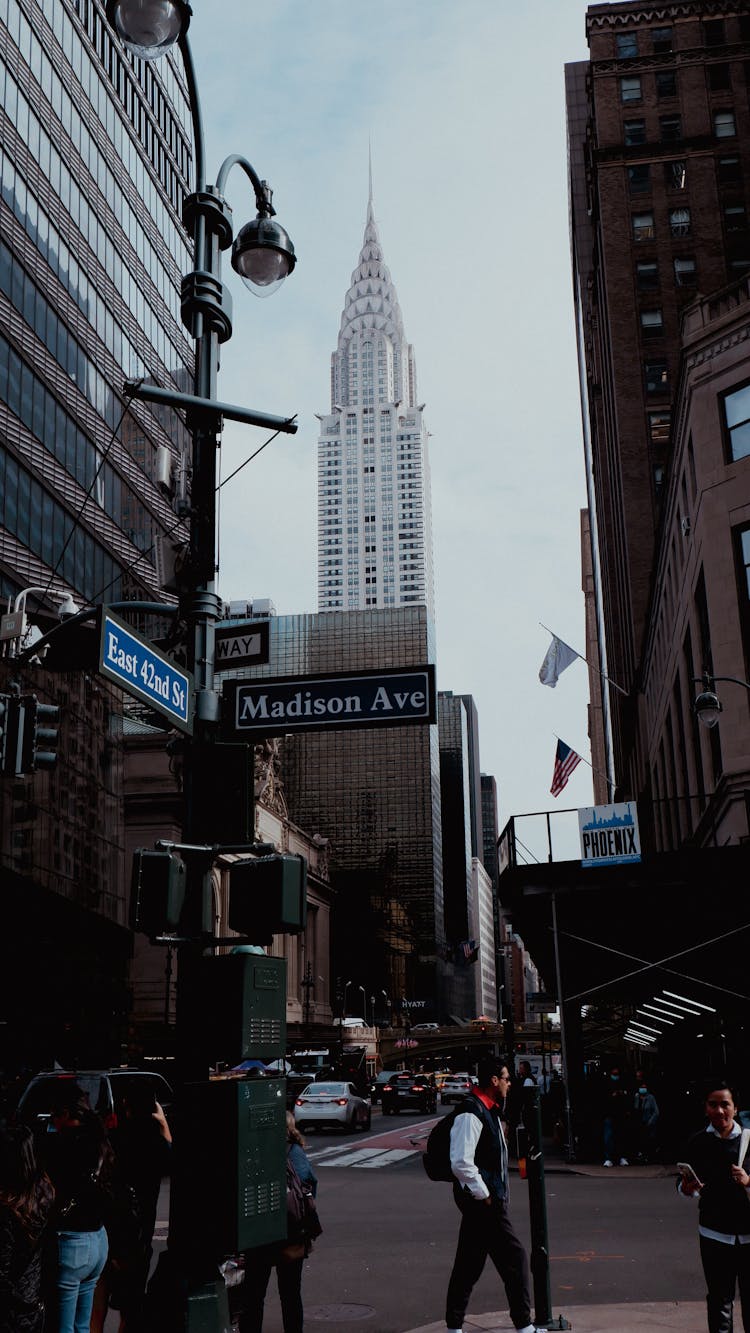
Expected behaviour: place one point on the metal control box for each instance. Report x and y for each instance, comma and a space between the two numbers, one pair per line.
229, 1189
236, 1008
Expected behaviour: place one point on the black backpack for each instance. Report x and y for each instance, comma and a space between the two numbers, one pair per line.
436, 1159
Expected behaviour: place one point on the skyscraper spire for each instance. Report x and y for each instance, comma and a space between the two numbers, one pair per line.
374, 514
369, 152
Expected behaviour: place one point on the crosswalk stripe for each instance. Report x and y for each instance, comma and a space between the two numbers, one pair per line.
395, 1155
353, 1158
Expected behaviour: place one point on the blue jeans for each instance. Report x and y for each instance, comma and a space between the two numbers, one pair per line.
81, 1256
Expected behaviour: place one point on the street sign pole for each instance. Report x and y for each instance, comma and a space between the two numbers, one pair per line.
532, 1119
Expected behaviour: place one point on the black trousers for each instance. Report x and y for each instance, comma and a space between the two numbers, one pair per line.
724, 1267
486, 1231
258, 1265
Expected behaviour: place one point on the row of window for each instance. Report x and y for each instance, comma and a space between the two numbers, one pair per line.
659, 41
38, 522
29, 400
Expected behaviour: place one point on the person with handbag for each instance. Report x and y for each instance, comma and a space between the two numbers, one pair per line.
78, 1160
715, 1174
288, 1256
26, 1198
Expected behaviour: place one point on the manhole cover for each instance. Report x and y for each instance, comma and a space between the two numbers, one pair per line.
325, 1313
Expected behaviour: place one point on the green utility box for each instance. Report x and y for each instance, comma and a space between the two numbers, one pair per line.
229, 1188
235, 1009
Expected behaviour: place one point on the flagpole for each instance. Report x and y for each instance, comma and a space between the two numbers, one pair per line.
599, 774
586, 660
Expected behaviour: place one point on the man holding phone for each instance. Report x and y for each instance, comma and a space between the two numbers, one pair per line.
716, 1174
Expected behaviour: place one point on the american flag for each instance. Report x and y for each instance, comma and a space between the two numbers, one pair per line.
566, 760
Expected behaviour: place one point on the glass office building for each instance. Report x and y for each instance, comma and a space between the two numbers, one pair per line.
95, 155
375, 795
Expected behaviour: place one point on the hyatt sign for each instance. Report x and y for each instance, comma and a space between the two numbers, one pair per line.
314, 703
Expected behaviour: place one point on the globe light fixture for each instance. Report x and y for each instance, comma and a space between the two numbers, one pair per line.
263, 254
707, 708
149, 28
708, 705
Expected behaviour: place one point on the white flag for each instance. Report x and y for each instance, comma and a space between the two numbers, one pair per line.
559, 656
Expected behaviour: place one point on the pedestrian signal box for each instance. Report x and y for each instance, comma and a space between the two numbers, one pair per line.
268, 896
157, 893
229, 1186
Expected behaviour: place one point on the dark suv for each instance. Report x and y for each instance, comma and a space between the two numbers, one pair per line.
105, 1089
408, 1091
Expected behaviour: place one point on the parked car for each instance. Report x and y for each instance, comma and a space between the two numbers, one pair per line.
378, 1083
331, 1104
105, 1089
425, 1027
407, 1091
455, 1088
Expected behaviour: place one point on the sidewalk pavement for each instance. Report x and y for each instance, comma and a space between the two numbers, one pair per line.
687, 1316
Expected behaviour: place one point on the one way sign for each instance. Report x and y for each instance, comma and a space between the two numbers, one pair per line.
241, 645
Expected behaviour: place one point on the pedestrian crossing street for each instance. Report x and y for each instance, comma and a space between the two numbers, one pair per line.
379, 1150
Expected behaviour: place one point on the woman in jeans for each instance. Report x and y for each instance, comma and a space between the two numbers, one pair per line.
78, 1159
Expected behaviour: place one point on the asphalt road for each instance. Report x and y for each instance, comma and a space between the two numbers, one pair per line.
389, 1234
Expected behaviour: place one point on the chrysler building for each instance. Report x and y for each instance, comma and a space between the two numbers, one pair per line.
374, 517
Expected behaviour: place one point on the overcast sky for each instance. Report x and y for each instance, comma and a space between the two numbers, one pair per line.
464, 106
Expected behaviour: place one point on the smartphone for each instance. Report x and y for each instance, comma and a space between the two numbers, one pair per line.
686, 1170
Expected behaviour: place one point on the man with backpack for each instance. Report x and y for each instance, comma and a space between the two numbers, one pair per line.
479, 1165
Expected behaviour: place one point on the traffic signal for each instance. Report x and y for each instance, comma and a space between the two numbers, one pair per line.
39, 729
222, 783
157, 894
268, 896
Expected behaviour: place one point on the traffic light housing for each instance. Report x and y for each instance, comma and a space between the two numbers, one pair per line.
157, 893
39, 725
222, 782
268, 896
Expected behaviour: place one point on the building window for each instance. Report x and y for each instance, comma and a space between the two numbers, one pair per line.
737, 421
647, 275
639, 178
626, 45
713, 32
670, 128
652, 323
718, 77
630, 89
735, 217
634, 132
675, 174
679, 221
661, 40
742, 552
658, 429
656, 376
724, 126
685, 273
728, 170
643, 226
666, 83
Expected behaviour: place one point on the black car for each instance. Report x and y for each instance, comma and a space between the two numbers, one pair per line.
409, 1092
105, 1089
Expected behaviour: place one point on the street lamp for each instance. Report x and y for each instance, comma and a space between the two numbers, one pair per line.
346, 987
364, 1002
13, 625
708, 705
263, 255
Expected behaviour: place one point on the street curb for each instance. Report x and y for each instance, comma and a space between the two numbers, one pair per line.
642, 1317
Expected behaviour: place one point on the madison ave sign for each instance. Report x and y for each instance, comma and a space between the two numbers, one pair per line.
330, 703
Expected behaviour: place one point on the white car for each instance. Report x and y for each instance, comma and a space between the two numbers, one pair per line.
455, 1088
331, 1104
425, 1027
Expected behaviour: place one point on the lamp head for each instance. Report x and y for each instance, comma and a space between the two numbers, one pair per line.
263, 255
149, 28
67, 608
707, 708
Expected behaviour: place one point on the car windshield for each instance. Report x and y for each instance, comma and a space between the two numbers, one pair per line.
124, 1083
326, 1090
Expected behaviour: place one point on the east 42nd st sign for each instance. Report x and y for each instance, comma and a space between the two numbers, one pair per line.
397, 697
